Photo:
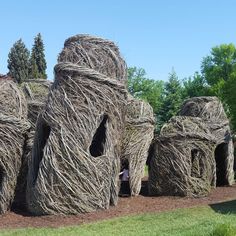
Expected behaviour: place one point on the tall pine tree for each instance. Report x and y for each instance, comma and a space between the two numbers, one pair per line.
18, 61
38, 63
172, 98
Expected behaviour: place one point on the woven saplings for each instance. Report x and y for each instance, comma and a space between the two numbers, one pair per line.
76, 154
139, 131
36, 93
182, 161
13, 128
211, 111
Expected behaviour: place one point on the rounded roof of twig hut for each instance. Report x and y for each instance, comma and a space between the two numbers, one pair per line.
12, 100
186, 126
95, 53
207, 108
139, 111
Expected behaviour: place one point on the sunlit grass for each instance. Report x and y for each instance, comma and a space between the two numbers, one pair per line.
198, 221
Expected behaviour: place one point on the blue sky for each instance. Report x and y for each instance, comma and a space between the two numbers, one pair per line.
155, 35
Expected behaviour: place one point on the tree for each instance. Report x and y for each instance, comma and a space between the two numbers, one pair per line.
218, 67
172, 98
147, 89
219, 70
230, 98
195, 86
18, 61
38, 63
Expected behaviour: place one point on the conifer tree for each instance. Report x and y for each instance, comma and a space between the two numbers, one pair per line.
38, 63
172, 98
18, 61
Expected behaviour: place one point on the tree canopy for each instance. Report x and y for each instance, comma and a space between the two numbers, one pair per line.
18, 61
147, 89
219, 70
38, 63
195, 86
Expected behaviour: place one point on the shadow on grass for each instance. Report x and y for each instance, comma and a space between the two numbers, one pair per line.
228, 207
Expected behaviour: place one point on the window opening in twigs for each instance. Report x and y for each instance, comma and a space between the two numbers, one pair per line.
99, 139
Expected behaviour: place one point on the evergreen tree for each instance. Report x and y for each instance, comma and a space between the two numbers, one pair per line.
38, 63
195, 86
18, 61
172, 99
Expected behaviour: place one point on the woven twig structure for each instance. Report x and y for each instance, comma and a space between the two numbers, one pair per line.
139, 132
211, 110
76, 155
13, 128
182, 161
36, 93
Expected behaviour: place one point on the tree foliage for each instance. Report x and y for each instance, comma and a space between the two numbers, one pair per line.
147, 89
218, 67
172, 98
219, 70
18, 61
38, 63
195, 86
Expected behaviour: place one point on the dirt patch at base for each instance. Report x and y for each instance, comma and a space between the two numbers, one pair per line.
126, 206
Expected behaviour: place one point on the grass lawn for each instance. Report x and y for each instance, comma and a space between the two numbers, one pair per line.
215, 220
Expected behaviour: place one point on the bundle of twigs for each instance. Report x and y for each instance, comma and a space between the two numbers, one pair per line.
13, 127
139, 131
75, 163
182, 161
211, 110
36, 93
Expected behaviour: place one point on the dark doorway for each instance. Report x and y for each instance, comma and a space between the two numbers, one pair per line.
99, 139
41, 140
221, 153
2, 173
124, 179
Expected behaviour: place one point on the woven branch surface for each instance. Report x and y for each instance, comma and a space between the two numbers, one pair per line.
182, 160
76, 155
13, 128
36, 93
211, 110
139, 132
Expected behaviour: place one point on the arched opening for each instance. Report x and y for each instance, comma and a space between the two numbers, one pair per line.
99, 139
41, 139
221, 153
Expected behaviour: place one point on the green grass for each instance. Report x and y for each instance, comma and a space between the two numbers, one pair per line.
217, 220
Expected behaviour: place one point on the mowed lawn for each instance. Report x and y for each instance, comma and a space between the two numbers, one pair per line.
217, 220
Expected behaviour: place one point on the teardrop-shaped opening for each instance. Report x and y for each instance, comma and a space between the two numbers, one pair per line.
99, 139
